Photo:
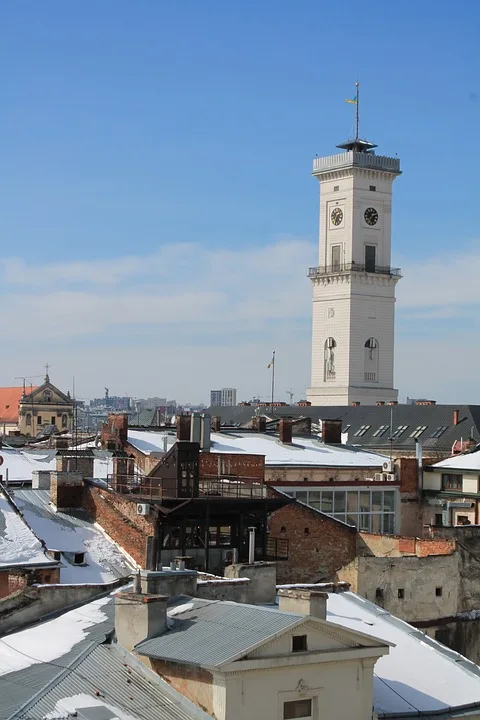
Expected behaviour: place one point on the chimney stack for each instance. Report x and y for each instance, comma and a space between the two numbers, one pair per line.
138, 617
355, 403
205, 431
456, 417
285, 430
379, 403
183, 428
304, 602
216, 423
393, 402
332, 432
259, 423
195, 427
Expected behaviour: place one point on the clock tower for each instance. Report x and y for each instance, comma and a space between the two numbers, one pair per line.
354, 283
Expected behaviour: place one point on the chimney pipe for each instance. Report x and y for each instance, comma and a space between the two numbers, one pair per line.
260, 423
205, 432
138, 617
304, 602
456, 417
251, 545
285, 430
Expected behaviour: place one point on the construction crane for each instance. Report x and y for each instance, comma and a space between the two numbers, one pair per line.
290, 395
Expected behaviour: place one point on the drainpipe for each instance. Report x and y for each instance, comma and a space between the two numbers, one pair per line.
251, 545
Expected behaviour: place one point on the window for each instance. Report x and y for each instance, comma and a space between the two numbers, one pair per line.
436, 433
299, 643
438, 592
373, 188
53, 420
297, 710
418, 431
370, 258
79, 558
401, 594
329, 358
362, 430
336, 256
451, 482
439, 519
336, 188
370, 360
39, 420
47, 395
381, 431
28, 419
379, 594
346, 428
399, 431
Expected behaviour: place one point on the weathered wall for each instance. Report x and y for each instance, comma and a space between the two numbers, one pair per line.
262, 588
460, 635
317, 475
13, 580
194, 683
468, 540
318, 545
412, 588
35, 603
398, 545
251, 466
118, 517
233, 590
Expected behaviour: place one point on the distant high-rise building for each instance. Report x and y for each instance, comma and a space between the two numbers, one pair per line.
226, 397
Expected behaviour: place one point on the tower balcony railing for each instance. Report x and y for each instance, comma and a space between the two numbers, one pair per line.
323, 270
359, 159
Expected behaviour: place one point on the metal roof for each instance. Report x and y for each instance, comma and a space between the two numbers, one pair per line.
105, 670
210, 633
433, 417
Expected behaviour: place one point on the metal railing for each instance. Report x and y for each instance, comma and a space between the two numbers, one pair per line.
229, 486
322, 270
361, 159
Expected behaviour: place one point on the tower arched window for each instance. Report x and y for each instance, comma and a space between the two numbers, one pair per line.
28, 419
329, 358
371, 360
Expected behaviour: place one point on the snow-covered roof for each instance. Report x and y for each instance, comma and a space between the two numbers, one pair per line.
18, 544
19, 464
69, 533
302, 451
419, 675
468, 462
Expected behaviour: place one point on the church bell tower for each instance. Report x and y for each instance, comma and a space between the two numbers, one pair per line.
354, 283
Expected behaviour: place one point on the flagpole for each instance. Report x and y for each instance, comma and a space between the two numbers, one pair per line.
273, 379
357, 84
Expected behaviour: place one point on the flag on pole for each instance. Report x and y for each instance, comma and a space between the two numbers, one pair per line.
352, 101
271, 362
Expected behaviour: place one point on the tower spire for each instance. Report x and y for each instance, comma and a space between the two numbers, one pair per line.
356, 144
357, 85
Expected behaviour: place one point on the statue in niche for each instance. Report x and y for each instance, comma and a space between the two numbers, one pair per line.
330, 345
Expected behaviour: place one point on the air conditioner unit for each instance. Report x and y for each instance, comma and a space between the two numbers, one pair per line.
378, 477
143, 509
388, 466
389, 477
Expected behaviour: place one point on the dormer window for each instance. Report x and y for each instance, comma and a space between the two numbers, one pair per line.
79, 558
299, 643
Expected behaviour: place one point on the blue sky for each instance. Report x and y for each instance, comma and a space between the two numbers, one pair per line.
158, 212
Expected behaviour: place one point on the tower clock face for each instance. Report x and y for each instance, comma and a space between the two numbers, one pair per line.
371, 216
336, 217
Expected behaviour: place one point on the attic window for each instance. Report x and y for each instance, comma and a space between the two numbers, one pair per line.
362, 430
399, 431
336, 188
401, 593
79, 558
299, 643
381, 431
418, 431
438, 592
439, 431
379, 594
373, 188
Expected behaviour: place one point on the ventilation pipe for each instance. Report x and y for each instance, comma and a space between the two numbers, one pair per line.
251, 545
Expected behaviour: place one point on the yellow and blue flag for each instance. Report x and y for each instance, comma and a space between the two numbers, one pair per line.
352, 101
271, 362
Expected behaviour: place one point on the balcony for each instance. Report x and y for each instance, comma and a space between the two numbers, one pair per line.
340, 268
209, 486
356, 159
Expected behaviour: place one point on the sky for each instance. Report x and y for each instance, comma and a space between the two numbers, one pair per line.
157, 210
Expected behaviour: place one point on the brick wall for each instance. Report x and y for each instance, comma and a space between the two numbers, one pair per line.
115, 431
118, 517
66, 489
370, 544
14, 580
232, 464
318, 545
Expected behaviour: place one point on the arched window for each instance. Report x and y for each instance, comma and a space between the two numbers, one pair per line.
64, 421
329, 358
28, 419
371, 360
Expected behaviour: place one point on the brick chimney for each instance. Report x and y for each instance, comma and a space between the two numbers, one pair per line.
285, 430
259, 423
332, 432
393, 402
216, 423
379, 403
456, 417
138, 617
183, 428
303, 602
355, 403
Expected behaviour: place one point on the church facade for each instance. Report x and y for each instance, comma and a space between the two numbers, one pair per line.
354, 283
43, 406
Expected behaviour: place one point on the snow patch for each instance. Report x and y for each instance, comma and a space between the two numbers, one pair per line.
68, 707
18, 544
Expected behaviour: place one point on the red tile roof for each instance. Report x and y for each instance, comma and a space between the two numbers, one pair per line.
9, 399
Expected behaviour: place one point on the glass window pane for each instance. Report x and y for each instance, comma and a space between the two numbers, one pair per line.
297, 709
339, 501
302, 496
365, 501
388, 523
352, 502
314, 499
389, 500
376, 523
327, 501
364, 522
377, 500
352, 520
